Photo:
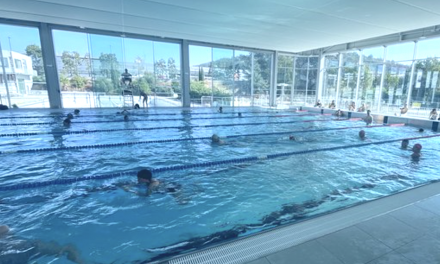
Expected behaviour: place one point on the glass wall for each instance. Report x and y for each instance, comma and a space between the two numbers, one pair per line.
397, 77
296, 80
90, 68
426, 87
24, 83
370, 79
228, 77
330, 81
284, 79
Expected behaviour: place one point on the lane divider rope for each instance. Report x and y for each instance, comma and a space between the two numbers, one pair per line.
66, 181
170, 127
147, 120
110, 145
151, 114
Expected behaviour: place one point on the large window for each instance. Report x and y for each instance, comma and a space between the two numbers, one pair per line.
330, 81
24, 85
227, 77
90, 68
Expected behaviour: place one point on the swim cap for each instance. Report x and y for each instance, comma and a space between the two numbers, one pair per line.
417, 146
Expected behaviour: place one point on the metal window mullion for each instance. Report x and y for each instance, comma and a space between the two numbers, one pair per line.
252, 79
4, 76
293, 80
382, 78
272, 91
358, 77
320, 76
338, 83
411, 78
307, 80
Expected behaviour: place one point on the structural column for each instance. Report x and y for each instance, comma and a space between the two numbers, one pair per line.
273, 87
185, 77
50, 67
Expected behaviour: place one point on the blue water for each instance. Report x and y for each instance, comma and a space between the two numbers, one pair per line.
109, 225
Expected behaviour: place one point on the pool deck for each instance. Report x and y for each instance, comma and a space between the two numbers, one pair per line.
402, 228
408, 235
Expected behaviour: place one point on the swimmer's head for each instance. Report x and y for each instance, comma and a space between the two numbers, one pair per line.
136, 106
362, 134
4, 230
69, 116
220, 109
215, 138
417, 147
125, 117
421, 130
405, 143
67, 122
368, 112
76, 111
144, 176
291, 137
239, 114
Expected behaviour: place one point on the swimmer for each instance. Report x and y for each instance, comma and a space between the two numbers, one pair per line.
421, 130
216, 139
67, 122
76, 111
125, 118
239, 115
362, 134
318, 104
124, 112
145, 177
362, 108
339, 113
19, 250
292, 138
416, 151
3, 107
404, 144
136, 106
220, 109
69, 116
368, 119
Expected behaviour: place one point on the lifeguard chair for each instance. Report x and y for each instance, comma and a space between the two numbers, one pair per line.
127, 92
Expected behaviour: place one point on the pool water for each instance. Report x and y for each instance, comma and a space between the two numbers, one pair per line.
107, 224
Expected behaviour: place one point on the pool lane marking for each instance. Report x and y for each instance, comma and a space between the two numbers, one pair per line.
156, 128
196, 165
110, 145
153, 114
148, 120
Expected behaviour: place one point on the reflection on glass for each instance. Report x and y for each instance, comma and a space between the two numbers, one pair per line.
396, 86
425, 88
428, 48
284, 79
373, 55
90, 67
369, 86
224, 73
400, 52
200, 59
25, 80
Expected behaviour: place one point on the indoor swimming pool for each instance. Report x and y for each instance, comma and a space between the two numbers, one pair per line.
76, 186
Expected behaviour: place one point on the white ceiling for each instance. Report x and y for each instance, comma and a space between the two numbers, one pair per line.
284, 25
